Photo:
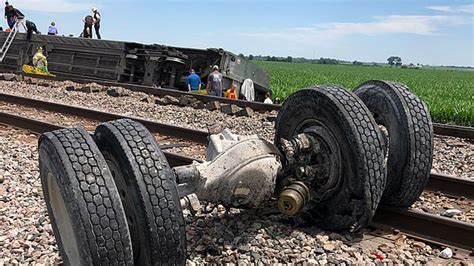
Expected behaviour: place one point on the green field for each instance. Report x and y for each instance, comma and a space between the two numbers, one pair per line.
449, 94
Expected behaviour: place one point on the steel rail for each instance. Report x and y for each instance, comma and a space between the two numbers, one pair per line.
439, 129
197, 136
454, 131
451, 185
427, 227
158, 91
40, 127
175, 131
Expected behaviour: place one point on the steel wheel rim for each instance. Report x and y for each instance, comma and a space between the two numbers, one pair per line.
63, 221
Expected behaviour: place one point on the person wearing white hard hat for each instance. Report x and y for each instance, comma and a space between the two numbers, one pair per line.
97, 19
215, 82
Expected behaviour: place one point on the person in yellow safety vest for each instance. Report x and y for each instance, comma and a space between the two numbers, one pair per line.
232, 92
40, 61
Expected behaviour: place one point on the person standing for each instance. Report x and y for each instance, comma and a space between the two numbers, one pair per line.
193, 81
88, 22
30, 28
97, 19
215, 82
52, 30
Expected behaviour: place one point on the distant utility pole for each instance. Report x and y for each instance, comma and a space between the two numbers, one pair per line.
314, 53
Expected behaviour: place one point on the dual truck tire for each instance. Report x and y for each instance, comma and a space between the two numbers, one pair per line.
111, 197
390, 168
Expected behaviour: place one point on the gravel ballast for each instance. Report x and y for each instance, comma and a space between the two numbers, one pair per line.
25, 231
215, 234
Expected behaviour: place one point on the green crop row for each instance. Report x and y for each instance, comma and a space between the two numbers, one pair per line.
448, 94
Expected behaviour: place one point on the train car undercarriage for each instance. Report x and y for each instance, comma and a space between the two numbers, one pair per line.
134, 63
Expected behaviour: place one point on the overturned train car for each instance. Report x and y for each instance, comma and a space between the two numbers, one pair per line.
134, 63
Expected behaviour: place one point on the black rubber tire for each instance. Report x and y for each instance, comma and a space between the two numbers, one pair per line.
363, 179
150, 195
410, 132
84, 204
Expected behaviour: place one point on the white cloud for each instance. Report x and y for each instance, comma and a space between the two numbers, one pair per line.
454, 9
441, 8
52, 6
418, 25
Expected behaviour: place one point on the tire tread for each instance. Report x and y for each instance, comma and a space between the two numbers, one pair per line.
158, 192
95, 194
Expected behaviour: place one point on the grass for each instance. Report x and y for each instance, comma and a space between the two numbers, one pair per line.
448, 94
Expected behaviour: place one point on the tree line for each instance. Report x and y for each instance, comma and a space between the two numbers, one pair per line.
322, 60
394, 61
289, 59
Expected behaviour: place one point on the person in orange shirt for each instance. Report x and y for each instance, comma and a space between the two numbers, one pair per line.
232, 92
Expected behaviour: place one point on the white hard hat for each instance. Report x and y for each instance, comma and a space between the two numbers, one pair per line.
94, 9
215, 67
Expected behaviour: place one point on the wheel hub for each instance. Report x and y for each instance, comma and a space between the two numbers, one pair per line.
293, 198
314, 160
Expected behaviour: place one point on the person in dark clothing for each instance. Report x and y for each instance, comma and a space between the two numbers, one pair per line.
97, 19
9, 16
6, 8
88, 22
13, 16
30, 28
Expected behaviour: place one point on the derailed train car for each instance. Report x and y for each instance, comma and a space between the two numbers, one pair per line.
134, 63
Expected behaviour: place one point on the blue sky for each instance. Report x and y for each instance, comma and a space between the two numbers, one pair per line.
428, 32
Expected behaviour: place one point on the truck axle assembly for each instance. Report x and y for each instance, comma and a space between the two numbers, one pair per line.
114, 199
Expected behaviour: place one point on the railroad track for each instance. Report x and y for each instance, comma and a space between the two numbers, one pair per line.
439, 129
419, 225
179, 132
164, 129
448, 185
